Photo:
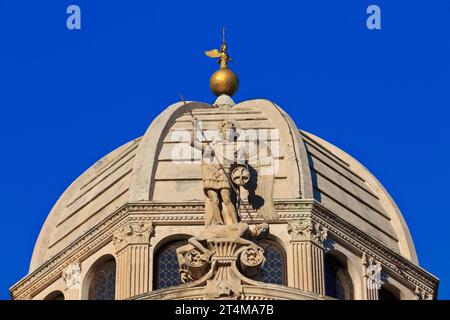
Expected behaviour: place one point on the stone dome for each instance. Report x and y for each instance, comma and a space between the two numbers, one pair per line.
142, 171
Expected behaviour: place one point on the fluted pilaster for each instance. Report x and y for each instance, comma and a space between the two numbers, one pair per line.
133, 268
307, 255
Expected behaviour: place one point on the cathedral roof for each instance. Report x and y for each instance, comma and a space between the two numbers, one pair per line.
143, 170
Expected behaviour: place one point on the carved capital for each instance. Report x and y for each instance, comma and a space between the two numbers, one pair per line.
307, 230
132, 233
72, 276
371, 271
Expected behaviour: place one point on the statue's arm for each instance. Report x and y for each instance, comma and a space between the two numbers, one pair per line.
195, 142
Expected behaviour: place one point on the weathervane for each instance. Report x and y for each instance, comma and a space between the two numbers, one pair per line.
223, 81
222, 55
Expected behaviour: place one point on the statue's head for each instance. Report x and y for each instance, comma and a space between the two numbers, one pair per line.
228, 130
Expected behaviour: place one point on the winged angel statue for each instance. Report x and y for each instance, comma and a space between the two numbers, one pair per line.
222, 54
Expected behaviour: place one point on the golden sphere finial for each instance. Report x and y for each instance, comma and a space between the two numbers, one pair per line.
223, 81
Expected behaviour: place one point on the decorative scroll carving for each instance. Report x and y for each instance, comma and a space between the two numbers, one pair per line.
132, 233
251, 260
307, 230
193, 264
212, 259
72, 275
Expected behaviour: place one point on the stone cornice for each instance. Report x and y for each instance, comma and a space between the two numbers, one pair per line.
191, 213
52, 269
421, 294
389, 259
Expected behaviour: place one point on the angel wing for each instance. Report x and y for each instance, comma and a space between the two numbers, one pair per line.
260, 188
213, 53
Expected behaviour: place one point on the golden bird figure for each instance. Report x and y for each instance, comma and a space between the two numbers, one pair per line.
223, 81
222, 54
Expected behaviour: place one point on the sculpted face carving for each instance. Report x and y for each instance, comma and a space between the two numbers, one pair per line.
228, 130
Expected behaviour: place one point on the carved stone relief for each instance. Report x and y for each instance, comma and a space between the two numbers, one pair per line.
132, 233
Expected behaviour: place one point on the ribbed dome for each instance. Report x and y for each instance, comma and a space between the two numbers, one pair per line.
142, 171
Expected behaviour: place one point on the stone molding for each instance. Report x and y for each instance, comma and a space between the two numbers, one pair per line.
192, 213
266, 291
390, 260
51, 270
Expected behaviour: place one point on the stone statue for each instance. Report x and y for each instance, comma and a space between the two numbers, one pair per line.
225, 254
219, 159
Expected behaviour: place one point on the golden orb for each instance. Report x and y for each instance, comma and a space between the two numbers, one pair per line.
224, 81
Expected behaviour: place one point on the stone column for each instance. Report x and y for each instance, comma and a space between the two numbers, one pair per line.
371, 277
132, 244
307, 255
72, 277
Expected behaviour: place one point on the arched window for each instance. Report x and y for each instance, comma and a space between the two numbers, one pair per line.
103, 285
167, 272
337, 281
55, 295
274, 268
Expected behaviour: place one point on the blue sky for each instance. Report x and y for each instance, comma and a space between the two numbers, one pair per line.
69, 97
